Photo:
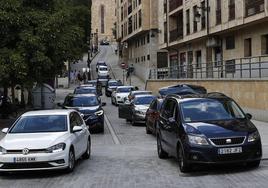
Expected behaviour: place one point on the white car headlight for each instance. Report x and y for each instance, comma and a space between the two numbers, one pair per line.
253, 136
198, 140
99, 113
2, 151
56, 148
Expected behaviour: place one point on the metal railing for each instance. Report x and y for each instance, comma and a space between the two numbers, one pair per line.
248, 68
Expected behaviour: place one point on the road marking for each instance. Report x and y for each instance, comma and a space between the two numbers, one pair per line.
110, 127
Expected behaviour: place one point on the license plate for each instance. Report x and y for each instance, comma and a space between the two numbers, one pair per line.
23, 159
224, 151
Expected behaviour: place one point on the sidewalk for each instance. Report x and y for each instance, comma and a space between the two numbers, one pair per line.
118, 72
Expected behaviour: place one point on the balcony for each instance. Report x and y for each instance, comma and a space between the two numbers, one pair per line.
173, 4
176, 34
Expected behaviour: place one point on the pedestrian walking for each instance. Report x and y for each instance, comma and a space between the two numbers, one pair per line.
85, 77
72, 77
75, 77
79, 78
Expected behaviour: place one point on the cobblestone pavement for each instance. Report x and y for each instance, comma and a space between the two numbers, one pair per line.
133, 162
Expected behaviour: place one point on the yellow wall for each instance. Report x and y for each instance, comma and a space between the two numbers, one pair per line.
252, 95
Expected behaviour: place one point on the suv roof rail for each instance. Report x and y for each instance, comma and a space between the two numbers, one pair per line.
208, 95
218, 94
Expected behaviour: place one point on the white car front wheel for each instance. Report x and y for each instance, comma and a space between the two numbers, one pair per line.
71, 161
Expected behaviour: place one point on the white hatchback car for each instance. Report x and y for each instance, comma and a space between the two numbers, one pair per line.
119, 95
44, 140
103, 71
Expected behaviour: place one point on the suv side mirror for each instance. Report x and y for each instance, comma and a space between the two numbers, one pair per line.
249, 116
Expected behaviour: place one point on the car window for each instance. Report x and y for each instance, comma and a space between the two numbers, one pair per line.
153, 105
78, 119
168, 110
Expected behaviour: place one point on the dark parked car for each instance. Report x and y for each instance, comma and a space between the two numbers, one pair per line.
90, 106
92, 83
103, 80
182, 89
152, 116
111, 86
85, 90
207, 129
136, 110
133, 94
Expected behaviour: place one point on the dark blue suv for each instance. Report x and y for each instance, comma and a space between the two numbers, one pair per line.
90, 106
207, 129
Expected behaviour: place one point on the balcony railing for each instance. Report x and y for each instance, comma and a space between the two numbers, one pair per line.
173, 4
254, 7
176, 34
241, 68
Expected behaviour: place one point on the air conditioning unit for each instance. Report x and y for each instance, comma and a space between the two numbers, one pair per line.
213, 42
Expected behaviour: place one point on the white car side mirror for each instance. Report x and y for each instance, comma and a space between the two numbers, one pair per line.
5, 130
77, 129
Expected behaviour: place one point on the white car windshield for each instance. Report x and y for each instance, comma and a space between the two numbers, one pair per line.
40, 124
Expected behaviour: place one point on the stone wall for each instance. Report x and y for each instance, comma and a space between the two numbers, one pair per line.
252, 95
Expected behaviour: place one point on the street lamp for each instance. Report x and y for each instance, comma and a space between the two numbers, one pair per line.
88, 59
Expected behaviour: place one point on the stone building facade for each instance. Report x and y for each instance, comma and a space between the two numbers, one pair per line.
216, 37
103, 19
137, 34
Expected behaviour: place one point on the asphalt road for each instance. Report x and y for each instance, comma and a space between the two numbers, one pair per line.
124, 156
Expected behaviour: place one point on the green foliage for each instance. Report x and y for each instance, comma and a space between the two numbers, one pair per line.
38, 36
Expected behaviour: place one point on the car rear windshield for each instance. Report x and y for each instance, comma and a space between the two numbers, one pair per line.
210, 109
103, 69
143, 100
85, 91
142, 93
124, 90
82, 101
40, 124
113, 84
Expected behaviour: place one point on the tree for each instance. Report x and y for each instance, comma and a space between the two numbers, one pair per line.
37, 37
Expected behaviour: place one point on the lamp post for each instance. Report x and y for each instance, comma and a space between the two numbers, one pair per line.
88, 59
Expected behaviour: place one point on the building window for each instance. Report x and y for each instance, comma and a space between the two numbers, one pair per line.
230, 42
198, 56
139, 2
165, 6
148, 38
194, 21
165, 32
203, 16
140, 19
148, 57
102, 18
254, 7
130, 25
264, 44
122, 13
218, 12
188, 22
230, 66
231, 10
248, 47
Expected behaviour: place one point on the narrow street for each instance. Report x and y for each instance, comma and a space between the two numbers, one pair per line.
125, 156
